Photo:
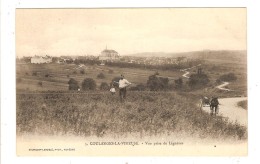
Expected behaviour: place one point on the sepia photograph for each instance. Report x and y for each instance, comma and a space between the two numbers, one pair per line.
131, 82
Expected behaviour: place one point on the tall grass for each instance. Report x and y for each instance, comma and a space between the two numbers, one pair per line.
242, 104
100, 114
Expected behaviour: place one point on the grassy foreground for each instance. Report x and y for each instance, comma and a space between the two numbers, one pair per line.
101, 114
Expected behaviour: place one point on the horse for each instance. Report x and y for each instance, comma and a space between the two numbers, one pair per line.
214, 106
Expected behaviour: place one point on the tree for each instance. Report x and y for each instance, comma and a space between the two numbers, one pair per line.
228, 77
73, 84
55, 59
101, 76
88, 84
104, 86
157, 83
198, 80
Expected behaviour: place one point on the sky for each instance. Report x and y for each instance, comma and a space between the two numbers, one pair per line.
58, 32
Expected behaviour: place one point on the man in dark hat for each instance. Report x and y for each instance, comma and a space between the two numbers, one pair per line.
123, 83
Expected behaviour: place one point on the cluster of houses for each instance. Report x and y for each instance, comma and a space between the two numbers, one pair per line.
109, 56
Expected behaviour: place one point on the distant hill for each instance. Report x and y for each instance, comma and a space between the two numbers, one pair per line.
212, 54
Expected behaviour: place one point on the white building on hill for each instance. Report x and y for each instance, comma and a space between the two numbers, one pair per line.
108, 55
41, 59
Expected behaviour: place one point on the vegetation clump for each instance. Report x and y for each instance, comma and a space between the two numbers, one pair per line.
101, 76
155, 83
227, 77
104, 86
73, 84
88, 84
198, 80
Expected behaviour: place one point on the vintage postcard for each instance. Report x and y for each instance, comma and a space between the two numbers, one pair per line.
131, 82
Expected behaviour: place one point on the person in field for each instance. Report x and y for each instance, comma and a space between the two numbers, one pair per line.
123, 83
214, 105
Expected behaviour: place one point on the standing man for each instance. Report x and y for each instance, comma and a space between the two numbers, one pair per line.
123, 83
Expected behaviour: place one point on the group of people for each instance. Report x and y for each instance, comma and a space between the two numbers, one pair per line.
122, 84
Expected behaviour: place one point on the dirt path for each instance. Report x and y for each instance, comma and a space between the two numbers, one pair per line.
185, 75
221, 86
187, 72
228, 108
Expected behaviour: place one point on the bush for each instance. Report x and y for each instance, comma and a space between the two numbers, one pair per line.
139, 87
73, 84
47, 75
34, 73
101, 76
74, 72
88, 84
198, 80
228, 77
104, 86
156, 84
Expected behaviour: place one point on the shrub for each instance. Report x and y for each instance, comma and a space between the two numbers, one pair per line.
74, 72
34, 73
47, 75
228, 77
104, 86
198, 80
73, 84
101, 76
156, 84
88, 84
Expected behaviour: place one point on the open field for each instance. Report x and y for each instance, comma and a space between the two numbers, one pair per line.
102, 115
59, 74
